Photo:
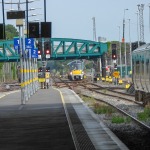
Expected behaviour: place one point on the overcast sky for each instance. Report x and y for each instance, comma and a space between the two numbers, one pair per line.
73, 18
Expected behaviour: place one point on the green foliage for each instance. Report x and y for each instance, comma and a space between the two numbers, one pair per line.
117, 119
87, 99
109, 45
120, 119
89, 65
1, 66
103, 109
128, 119
11, 32
144, 116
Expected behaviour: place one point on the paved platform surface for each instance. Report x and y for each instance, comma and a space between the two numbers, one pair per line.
41, 124
43, 108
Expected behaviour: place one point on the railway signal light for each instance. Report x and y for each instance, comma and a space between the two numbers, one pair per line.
114, 51
47, 49
47, 69
40, 69
40, 50
39, 46
115, 66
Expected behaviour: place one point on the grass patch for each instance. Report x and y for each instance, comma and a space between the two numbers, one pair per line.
103, 109
120, 119
89, 100
144, 116
117, 119
128, 119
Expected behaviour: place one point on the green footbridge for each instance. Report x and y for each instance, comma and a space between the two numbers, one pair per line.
61, 49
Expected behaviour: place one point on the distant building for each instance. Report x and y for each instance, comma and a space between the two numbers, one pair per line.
102, 39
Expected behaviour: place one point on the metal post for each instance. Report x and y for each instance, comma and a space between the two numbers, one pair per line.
34, 82
25, 66
4, 34
123, 40
94, 29
149, 17
37, 83
21, 69
45, 10
125, 53
138, 29
27, 16
130, 47
28, 79
120, 54
22, 65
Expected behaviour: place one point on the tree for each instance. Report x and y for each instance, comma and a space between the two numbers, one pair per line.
89, 65
11, 32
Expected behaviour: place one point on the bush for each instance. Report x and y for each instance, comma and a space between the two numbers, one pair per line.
144, 116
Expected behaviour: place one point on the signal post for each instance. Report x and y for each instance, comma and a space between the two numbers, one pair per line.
114, 58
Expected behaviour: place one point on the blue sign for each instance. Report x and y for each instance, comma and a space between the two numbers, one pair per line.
29, 41
29, 46
34, 53
16, 43
29, 51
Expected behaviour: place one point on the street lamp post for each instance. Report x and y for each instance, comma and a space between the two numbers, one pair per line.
123, 40
149, 16
120, 54
4, 35
27, 18
130, 47
45, 10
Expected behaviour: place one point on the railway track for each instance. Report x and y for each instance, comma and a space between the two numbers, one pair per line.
123, 102
111, 92
9, 86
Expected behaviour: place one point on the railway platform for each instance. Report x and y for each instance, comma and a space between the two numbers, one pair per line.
52, 119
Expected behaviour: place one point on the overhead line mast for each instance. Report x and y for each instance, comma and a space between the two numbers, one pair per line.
94, 29
141, 21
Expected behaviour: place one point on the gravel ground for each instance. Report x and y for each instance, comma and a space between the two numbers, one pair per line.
130, 133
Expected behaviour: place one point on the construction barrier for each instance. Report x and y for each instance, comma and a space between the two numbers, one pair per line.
103, 79
120, 81
127, 85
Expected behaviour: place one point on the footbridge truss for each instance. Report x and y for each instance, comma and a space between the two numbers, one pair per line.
61, 48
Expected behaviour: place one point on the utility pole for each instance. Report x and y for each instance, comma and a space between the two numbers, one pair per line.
123, 41
130, 47
141, 21
4, 34
120, 54
94, 29
45, 10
